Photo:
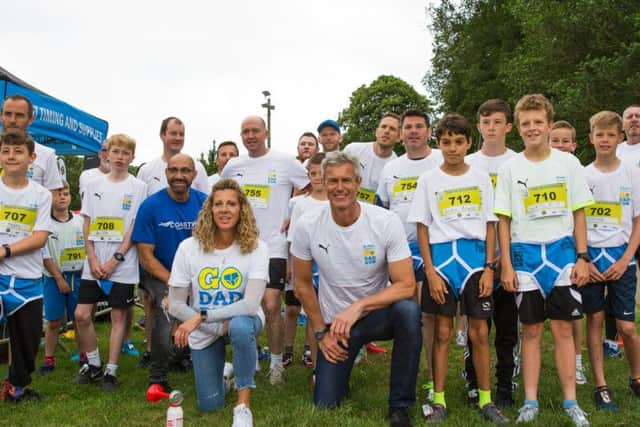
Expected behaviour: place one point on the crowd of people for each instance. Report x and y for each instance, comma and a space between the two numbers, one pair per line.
372, 246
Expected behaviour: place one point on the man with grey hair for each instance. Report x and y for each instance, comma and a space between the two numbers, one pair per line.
359, 249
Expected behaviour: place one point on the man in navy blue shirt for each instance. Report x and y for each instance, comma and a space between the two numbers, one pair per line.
164, 220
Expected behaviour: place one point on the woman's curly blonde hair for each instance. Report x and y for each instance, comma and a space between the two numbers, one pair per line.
246, 230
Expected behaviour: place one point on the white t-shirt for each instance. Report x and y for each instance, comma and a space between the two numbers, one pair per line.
112, 208
44, 169
217, 278
211, 181
302, 206
398, 182
489, 164
153, 174
352, 261
540, 197
22, 212
453, 207
65, 245
617, 195
371, 165
86, 177
629, 153
268, 182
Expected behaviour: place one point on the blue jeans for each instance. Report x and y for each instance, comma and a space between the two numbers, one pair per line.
208, 363
399, 322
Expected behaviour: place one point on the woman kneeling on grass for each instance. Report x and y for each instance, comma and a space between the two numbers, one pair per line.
222, 272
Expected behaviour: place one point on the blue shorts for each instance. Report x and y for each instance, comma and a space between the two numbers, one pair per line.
316, 276
456, 261
56, 302
418, 262
620, 299
604, 258
15, 293
544, 262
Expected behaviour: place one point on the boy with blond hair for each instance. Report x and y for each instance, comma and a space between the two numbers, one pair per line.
25, 207
541, 196
110, 270
613, 235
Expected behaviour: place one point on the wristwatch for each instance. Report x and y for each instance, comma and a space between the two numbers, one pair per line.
321, 333
584, 256
7, 250
118, 256
203, 315
492, 265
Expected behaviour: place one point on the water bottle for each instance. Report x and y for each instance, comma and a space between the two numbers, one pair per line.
174, 413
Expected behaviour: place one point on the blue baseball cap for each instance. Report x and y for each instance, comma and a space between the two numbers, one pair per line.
331, 123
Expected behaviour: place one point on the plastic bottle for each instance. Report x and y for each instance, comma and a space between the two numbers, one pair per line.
174, 413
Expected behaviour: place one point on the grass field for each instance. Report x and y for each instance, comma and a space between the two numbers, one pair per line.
66, 404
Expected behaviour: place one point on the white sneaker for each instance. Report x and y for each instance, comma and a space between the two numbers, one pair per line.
527, 414
581, 378
461, 339
242, 416
276, 375
578, 416
227, 376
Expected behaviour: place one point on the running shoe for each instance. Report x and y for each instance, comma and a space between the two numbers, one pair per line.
634, 385
612, 349
287, 359
581, 377
129, 349
88, 374
527, 413
145, 360
276, 375
578, 416
490, 412
461, 339
109, 383
438, 414
603, 398
242, 416
399, 417
306, 359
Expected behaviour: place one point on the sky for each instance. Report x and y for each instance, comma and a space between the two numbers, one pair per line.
134, 63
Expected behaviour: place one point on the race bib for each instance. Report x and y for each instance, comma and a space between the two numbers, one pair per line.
463, 203
604, 215
545, 200
258, 195
366, 195
17, 220
106, 229
72, 259
403, 189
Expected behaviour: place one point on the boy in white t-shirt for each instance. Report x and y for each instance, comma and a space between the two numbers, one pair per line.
540, 199
495, 121
24, 227
110, 270
302, 205
452, 207
613, 235
63, 256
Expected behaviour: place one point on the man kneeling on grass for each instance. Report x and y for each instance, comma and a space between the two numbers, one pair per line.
359, 248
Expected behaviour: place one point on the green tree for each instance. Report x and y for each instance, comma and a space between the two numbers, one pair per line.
386, 94
74, 166
582, 54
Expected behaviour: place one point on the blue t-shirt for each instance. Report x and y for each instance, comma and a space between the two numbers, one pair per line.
163, 222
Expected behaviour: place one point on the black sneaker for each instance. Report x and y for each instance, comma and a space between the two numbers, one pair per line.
603, 398
504, 398
88, 374
145, 360
26, 395
399, 417
306, 359
490, 412
634, 385
438, 414
287, 359
46, 369
473, 398
109, 383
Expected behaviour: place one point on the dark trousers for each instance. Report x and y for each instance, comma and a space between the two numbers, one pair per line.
399, 322
505, 318
25, 330
160, 332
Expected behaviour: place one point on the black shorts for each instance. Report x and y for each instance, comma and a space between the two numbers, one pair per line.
290, 298
121, 295
470, 303
153, 287
277, 273
563, 303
